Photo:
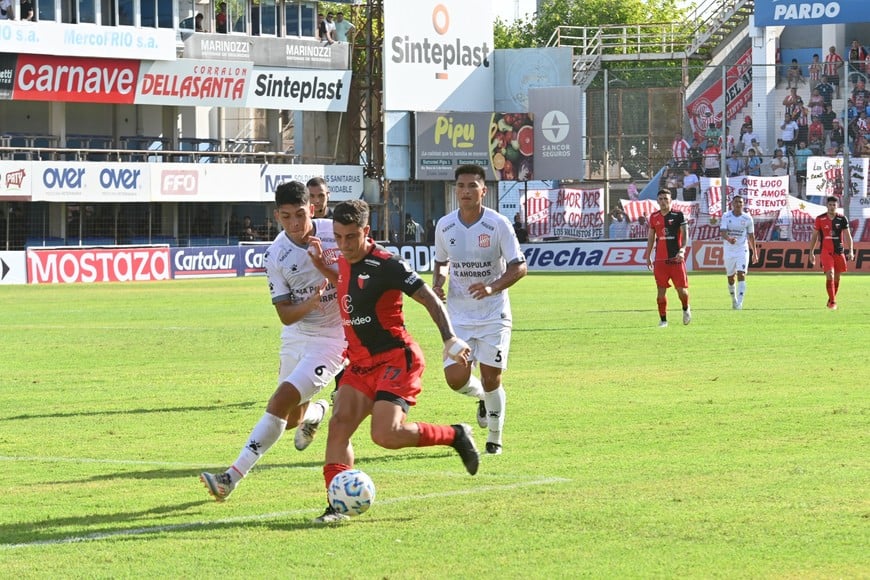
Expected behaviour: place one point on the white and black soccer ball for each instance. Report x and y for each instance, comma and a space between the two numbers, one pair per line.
351, 492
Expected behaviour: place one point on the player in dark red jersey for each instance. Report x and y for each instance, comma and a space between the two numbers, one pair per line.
386, 364
832, 229
669, 233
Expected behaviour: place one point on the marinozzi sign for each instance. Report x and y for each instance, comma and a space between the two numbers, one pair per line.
806, 12
438, 55
266, 51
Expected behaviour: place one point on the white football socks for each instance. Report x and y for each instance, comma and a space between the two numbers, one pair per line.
313, 414
472, 388
741, 290
265, 434
731, 292
495, 404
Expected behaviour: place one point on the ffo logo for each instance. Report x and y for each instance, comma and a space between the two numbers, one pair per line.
179, 182
76, 266
806, 10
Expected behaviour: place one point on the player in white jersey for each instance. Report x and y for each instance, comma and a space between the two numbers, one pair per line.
478, 249
312, 341
738, 234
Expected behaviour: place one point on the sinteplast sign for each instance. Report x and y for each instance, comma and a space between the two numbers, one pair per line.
807, 12
438, 55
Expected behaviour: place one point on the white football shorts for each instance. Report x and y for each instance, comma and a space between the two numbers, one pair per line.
310, 364
736, 262
490, 344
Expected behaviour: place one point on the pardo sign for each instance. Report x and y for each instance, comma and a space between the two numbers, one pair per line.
806, 11
809, 12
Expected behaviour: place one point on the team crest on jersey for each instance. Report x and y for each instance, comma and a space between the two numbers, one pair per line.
330, 256
484, 240
362, 280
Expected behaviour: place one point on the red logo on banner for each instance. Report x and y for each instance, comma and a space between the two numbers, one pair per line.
82, 80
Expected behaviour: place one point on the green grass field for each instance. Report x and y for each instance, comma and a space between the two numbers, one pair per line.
736, 446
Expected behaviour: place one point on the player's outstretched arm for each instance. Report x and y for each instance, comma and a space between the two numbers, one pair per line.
454, 347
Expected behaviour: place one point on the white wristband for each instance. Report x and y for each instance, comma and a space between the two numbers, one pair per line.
454, 348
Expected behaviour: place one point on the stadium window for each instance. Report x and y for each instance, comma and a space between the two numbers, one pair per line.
264, 17
126, 12
87, 11
300, 19
45, 10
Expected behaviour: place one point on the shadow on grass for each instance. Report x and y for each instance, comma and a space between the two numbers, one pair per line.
245, 405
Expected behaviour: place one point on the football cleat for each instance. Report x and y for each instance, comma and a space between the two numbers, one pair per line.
832, 305
493, 448
305, 432
734, 304
330, 516
481, 415
663, 323
739, 306
220, 486
687, 316
463, 443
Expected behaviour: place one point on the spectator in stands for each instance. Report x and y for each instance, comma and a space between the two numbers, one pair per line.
803, 121
691, 185
680, 152
851, 111
792, 102
344, 29
728, 142
674, 182
781, 146
321, 28
759, 150
413, 230
836, 138
801, 156
519, 229
746, 127
860, 96
788, 133
779, 164
734, 165
27, 12
712, 166
817, 103
857, 55
753, 162
827, 118
816, 136
815, 71
794, 74
713, 132
696, 157
220, 19
833, 64
327, 29
197, 23
632, 191
6, 10
247, 233
747, 136
618, 224
863, 125
825, 89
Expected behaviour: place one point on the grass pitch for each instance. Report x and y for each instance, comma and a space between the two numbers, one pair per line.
732, 447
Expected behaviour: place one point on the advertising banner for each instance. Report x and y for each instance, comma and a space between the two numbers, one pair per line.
16, 178
558, 132
807, 12
8, 64
267, 51
825, 176
193, 83
299, 90
68, 266
775, 257
501, 143
345, 181
83, 39
438, 56
205, 262
707, 108
566, 213
519, 70
13, 268
72, 181
204, 182
73, 79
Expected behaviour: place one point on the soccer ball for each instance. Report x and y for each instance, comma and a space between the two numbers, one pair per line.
351, 492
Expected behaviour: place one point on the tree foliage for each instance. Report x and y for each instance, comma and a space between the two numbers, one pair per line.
536, 30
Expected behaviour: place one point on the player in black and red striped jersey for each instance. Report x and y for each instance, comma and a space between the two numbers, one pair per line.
386, 364
669, 233
832, 229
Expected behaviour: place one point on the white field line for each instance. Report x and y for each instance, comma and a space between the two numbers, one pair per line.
273, 516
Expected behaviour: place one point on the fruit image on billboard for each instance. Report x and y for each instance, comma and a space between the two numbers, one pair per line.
512, 146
